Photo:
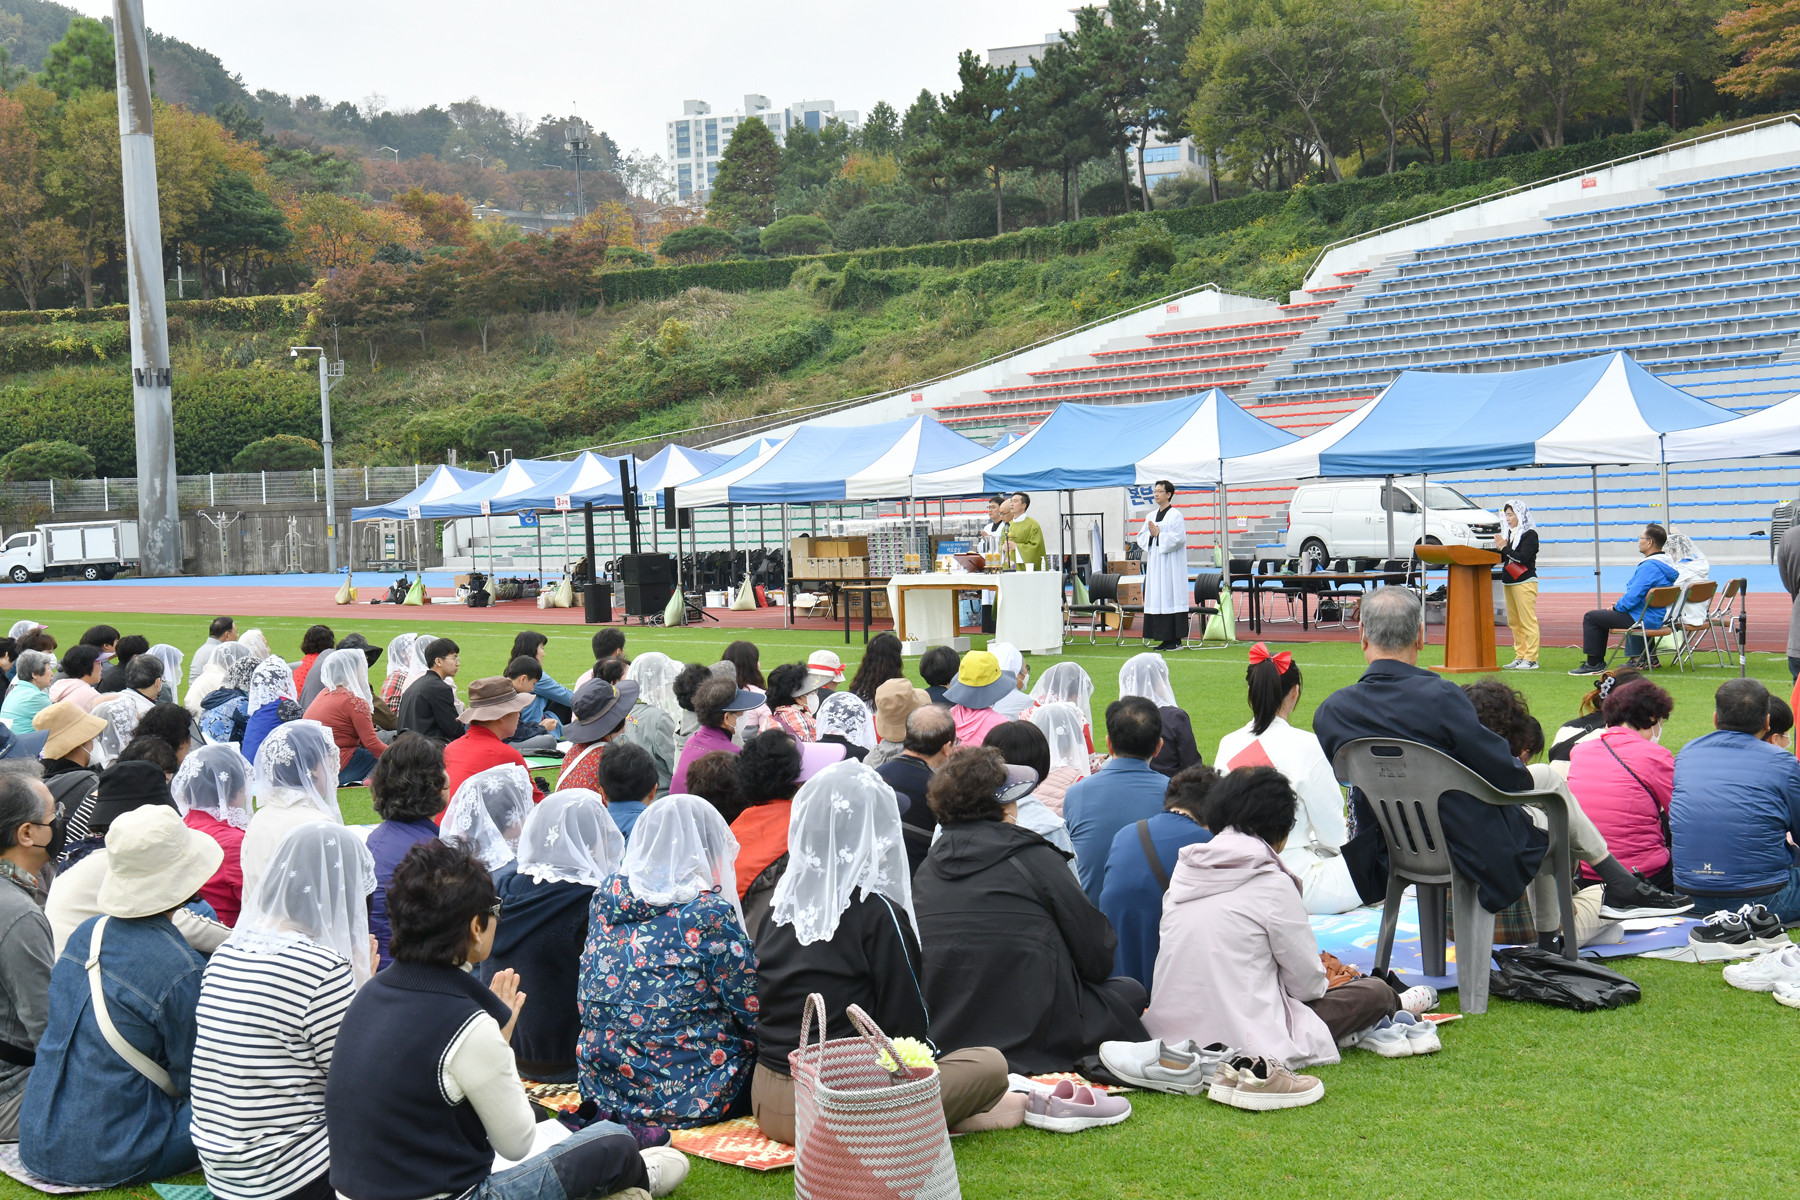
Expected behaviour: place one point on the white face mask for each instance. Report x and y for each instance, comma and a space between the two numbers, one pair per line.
1656, 733
810, 701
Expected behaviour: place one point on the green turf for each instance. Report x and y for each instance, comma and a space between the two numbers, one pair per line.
1675, 1096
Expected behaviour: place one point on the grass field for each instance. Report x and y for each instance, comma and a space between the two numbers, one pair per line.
1670, 1097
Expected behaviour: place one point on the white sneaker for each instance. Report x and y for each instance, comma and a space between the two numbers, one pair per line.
1160, 1067
1763, 972
1421, 1035
1788, 994
1513, 665
1418, 999
666, 1166
1386, 1038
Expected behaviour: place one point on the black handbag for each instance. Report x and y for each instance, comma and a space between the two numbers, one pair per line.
1531, 973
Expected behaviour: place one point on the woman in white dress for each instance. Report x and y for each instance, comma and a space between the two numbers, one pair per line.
1314, 848
1163, 540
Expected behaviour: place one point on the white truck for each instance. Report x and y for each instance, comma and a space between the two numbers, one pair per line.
90, 549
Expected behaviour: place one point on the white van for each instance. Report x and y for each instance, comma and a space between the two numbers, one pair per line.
1347, 518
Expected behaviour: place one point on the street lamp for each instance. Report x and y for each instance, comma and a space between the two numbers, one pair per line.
576, 143
393, 152
329, 370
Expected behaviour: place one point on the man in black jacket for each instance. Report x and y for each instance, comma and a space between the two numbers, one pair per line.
428, 705
930, 737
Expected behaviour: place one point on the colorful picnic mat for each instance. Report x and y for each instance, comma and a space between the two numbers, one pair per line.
1352, 937
737, 1143
558, 1097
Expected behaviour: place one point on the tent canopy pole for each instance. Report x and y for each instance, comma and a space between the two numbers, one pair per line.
1594, 483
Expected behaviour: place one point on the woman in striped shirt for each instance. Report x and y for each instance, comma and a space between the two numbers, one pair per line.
270, 1004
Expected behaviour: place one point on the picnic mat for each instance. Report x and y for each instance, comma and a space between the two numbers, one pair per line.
558, 1097
737, 1143
1056, 1077
1352, 936
9, 1162
182, 1191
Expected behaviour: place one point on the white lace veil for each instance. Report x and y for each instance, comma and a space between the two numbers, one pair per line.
121, 714
21, 628
255, 641
570, 838
844, 834
845, 713
679, 848
297, 766
215, 780
347, 669
1147, 675
403, 659
171, 659
316, 889
1066, 682
274, 680
239, 673
488, 812
1061, 724
655, 675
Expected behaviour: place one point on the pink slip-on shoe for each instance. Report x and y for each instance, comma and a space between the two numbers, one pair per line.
1070, 1108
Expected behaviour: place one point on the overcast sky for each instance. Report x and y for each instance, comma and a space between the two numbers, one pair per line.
628, 66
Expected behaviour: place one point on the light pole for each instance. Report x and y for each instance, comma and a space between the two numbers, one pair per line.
393, 152
576, 143
328, 371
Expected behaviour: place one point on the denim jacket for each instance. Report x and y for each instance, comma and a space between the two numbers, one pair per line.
89, 1118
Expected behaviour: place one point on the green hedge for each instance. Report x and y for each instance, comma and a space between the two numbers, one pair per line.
217, 413
36, 347
249, 314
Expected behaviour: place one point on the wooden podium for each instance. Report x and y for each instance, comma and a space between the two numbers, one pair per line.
1469, 614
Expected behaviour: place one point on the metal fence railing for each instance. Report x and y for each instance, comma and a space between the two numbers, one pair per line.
355, 485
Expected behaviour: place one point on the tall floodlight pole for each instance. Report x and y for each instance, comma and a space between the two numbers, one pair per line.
576, 143
159, 515
328, 371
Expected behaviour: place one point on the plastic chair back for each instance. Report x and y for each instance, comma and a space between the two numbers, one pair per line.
1103, 587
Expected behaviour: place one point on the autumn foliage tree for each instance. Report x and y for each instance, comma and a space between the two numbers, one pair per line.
371, 300
1765, 36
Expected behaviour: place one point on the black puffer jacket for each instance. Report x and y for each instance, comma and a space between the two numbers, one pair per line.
1014, 950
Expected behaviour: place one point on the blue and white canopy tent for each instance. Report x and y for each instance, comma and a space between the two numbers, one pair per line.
1590, 412
443, 483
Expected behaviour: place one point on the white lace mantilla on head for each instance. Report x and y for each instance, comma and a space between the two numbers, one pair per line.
844, 834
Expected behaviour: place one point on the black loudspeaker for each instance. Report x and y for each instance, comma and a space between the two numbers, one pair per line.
597, 597
647, 599
647, 569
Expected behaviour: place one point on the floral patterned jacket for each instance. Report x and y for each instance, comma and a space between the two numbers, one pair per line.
668, 1008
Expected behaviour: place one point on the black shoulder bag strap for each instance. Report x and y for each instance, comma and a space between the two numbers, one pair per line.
1655, 804
1156, 867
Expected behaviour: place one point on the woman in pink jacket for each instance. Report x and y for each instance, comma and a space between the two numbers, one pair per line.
1624, 779
1238, 962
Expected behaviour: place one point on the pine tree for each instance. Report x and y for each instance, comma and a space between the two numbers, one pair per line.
744, 191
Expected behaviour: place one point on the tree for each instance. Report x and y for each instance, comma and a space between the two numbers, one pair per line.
371, 300
488, 285
982, 125
279, 452
1171, 92
1114, 46
880, 132
608, 223
1535, 63
1648, 45
749, 170
47, 460
697, 243
916, 124
524, 435
444, 220
342, 231
240, 224
1393, 71
795, 235
1063, 122
84, 178
31, 247
1765, 35
82, 61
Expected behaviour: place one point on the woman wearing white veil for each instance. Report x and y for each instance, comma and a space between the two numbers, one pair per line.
842, 925
845, 714
1070, 761
1517, 543
488, 812
652, 721
1066, 683
270, 1005
568, 845
171, 659
255, 641
295, 783
212, 678
347, 706
212, 790
668, 978
403, 667
1147, 675
273, 700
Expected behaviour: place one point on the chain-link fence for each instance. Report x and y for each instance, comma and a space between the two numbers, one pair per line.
355, 485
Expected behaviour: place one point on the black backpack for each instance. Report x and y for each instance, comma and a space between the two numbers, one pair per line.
1531, 973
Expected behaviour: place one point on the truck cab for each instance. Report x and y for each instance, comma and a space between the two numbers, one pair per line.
22, 557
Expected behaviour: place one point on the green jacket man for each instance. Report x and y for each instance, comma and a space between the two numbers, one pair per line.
1025, 534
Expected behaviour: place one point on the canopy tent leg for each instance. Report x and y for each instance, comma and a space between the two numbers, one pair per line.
1224, 558
612, 540
490, 533
1387, 503
1594, 483
593, 567
1668, 517
787, 568
537, 528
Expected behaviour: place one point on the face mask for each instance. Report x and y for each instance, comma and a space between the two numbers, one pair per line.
1656, 734
810, 701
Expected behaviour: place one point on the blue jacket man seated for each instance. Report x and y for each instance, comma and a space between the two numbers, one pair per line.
1123, 792
1737, 798
1655, 571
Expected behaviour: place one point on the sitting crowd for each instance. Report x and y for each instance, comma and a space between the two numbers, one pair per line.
198, 955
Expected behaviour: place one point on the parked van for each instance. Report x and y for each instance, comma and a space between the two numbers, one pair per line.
88, 549
1347, 518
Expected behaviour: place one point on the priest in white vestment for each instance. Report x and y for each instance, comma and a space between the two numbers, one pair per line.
1163, 540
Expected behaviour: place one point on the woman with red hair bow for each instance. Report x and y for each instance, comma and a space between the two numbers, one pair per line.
1313, 850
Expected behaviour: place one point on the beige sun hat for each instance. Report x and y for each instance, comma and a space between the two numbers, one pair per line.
154, 863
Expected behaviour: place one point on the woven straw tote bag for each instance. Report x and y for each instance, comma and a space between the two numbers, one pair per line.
862, 1131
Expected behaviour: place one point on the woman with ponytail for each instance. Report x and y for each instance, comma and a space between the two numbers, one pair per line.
1313, 849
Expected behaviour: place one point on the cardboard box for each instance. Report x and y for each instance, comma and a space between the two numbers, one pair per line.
853, 568
801, 549
853, 547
